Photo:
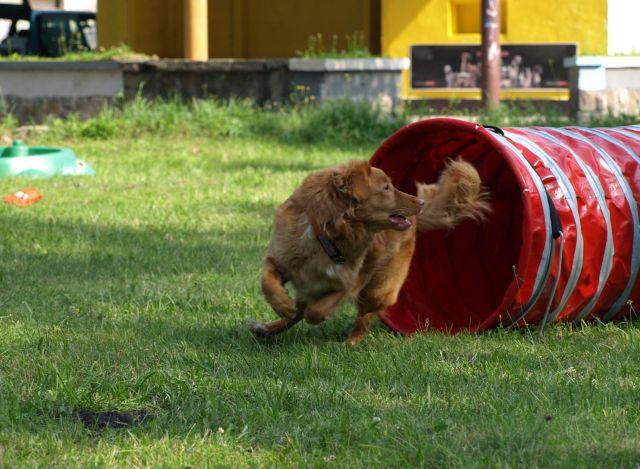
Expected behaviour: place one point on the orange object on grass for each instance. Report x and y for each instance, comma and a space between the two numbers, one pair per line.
24, 197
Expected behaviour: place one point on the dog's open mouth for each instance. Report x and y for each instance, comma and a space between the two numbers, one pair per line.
399, 222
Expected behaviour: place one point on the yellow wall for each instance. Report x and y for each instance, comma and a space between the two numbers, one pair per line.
280, 28
410, 22
237, 28
148, 26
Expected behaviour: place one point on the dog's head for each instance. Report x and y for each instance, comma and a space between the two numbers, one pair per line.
371, 197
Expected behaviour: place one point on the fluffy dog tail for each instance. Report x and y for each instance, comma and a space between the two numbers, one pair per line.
456, 196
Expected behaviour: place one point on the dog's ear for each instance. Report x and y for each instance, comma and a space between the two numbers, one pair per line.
349, 180
342, 182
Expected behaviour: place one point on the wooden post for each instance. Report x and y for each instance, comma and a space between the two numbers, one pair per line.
196, 30
491, 56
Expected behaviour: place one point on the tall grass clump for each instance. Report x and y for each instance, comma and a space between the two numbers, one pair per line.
508, 114
523, 114
341, 123
336, 122
346, 121
355, 47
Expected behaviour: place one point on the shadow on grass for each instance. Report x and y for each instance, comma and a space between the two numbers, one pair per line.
84, 260
113, 269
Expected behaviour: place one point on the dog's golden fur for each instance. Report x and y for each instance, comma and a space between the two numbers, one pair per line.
374, 226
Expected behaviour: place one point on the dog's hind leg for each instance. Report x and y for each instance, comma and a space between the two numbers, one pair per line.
273, 328
274, 291
276, 295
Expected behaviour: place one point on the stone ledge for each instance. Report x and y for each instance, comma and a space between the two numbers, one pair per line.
215, 65
348, 65
63, 65
597, 61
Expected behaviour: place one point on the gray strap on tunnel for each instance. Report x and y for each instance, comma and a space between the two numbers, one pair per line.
633, 207
556, 232
545, 318
596, 187
569, 193
544, 268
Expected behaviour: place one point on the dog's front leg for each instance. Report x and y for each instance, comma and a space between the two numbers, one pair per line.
361, 327
323, 308
380, 293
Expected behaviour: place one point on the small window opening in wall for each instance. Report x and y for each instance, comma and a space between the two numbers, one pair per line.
465, 16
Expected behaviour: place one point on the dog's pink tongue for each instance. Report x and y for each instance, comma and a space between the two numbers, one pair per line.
400, 222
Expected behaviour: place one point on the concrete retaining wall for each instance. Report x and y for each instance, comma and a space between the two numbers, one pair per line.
260, 80
376, 80
604, 85
33, 90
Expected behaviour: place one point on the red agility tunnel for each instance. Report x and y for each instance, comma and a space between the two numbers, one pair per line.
562, 242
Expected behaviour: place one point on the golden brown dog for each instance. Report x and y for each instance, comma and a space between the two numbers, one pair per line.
347, 233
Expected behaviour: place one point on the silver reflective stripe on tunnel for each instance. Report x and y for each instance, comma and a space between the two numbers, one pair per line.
633, 206
544, 267
612, 139
596, 187
569, 193
627, 133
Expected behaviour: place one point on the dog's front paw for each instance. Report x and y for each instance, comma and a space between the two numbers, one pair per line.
351, 342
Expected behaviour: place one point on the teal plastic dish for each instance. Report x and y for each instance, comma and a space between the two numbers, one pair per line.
21, 160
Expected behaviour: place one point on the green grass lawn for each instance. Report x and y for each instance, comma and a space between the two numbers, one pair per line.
131, 290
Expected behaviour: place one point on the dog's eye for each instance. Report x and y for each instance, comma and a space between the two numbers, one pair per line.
387, 186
